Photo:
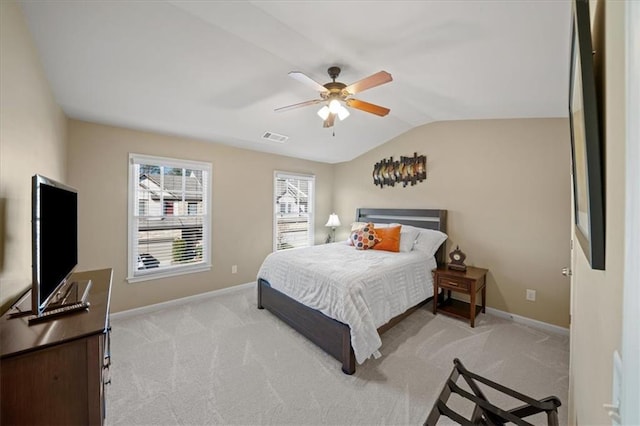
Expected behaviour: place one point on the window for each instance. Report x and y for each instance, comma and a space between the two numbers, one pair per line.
143, 208
169, 217
293, 210
168, 208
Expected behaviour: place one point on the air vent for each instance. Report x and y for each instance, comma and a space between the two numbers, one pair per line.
274, 137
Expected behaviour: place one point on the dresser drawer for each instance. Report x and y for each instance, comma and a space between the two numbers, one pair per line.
460, 285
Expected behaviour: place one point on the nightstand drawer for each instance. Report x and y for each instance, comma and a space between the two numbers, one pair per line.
453, 284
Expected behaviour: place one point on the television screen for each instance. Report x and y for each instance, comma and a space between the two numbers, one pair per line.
55, 238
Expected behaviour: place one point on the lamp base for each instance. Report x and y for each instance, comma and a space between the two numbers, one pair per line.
331, 237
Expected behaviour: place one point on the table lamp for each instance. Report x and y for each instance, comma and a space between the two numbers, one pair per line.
333, 222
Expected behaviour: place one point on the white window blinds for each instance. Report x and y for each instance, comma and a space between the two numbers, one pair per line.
169, 216
293, 210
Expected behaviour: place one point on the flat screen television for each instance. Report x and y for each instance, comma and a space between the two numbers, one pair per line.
54, 227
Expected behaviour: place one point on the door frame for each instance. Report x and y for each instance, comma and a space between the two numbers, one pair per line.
630, 380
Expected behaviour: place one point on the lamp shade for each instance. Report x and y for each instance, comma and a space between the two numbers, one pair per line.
333, 221
334, 106
343, 113
324, 112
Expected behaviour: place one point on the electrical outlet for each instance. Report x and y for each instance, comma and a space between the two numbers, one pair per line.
531, 295
234, 269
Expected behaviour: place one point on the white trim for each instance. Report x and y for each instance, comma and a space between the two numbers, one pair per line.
176, 302
166, 273
277, 174
528, 321
164, 161
630, 377
139, 276
293, 175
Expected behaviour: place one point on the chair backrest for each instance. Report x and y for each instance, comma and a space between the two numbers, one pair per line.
484, 411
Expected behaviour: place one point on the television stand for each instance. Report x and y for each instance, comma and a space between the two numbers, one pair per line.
56, 372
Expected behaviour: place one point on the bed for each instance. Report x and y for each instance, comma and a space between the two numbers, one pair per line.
318, 325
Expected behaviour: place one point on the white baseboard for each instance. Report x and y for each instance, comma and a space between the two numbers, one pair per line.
528, 321
158, 306
183, 300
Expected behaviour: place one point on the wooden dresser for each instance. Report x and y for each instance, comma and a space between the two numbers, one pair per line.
55, 371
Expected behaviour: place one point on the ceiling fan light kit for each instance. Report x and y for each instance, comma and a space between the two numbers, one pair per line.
324, 112
334, 106
336, 95
343, 113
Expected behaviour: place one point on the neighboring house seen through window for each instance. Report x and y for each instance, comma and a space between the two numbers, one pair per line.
169, 217
168, 208
293, 210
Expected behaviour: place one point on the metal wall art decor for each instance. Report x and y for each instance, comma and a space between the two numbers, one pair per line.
407, 170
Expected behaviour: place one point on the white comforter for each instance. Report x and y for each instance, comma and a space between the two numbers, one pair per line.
361, 288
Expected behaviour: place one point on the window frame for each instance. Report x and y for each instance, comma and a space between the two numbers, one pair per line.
278, 174
134, 275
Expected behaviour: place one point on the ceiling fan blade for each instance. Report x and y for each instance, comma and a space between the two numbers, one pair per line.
305, 79
330, 120
366, 106
301, 104
367, 83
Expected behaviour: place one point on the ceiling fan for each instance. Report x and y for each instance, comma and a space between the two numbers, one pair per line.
334, 94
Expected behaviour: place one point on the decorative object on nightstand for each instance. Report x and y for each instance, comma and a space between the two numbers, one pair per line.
333, 222
467, 282
456, 261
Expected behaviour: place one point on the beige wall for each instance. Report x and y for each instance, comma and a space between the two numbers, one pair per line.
504, 182
597, 295
32, 140
506, 186
242, 207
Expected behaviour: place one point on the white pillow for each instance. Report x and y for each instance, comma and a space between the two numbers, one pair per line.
408, 235
429, 240
408, 238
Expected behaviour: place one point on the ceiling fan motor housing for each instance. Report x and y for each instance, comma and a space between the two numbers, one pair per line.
334, 72
334, 88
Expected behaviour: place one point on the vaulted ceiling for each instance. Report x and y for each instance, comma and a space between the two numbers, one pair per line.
216, 70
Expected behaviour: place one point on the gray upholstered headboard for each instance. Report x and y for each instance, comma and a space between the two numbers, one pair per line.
420, 218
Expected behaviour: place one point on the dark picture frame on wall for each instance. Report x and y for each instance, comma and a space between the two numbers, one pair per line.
588, 188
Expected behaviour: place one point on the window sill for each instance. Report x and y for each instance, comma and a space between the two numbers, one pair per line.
169, 273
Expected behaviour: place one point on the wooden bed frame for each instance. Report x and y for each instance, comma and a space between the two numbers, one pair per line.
333, 336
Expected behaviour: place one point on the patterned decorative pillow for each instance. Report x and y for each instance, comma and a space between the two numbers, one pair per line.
365, 237
356, 226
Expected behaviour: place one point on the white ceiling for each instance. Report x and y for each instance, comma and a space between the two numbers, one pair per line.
215, 70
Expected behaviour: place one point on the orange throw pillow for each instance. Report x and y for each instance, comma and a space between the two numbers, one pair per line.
390, 238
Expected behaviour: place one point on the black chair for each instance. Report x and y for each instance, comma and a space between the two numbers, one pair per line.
485, 413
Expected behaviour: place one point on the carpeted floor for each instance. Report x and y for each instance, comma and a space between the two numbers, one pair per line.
219, 360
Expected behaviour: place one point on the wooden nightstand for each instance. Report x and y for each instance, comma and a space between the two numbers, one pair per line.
469, 282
